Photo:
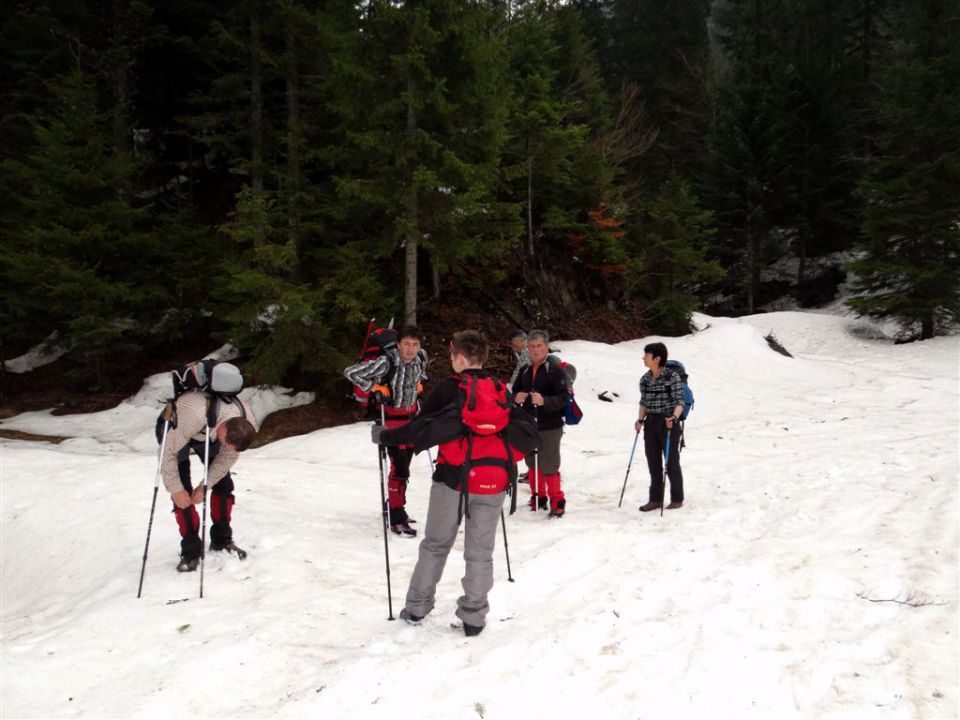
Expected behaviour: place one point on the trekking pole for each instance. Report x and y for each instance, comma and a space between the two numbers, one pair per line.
666, 461
430, 458
381, 455
506, 547
536, 465
203, 525
629, 465
156, 486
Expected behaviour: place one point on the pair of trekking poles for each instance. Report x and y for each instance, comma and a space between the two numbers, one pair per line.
168, 415
382, 458
666, 460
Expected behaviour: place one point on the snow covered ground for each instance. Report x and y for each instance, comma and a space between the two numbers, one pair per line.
821, 497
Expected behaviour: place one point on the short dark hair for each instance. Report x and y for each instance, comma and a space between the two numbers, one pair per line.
657, 350
517, 335
410, 331
472, 345
240, 433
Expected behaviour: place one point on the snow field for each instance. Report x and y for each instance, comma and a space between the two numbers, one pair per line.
814, 485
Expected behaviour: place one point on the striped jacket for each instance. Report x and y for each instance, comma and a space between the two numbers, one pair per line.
191, 425
402, 384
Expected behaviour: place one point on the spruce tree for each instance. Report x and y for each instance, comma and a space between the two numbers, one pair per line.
671, 265
76, 258
910, 262
418, 172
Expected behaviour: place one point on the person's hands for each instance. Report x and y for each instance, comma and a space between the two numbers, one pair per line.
638, 425
197, 497
419, 388
520, 398
375, 432
379, 393
537, 399
670, 420
181, 499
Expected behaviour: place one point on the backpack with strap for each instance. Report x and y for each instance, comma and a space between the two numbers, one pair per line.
375, 345
572, 414
483, 450
677, 367
220, 381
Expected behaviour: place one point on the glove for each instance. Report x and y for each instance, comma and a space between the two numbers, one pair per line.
379, 393
375, 432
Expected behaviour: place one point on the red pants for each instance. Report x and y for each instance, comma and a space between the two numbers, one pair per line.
545, 485
400, 457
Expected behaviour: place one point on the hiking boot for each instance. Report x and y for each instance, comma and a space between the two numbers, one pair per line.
651, 506
409, 618
537, 501
229, 546
559, 509
675, 506
188, 564
472, 630
403, 530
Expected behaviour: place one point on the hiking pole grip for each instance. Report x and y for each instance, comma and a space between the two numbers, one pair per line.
629, 465
153, 505
381, 453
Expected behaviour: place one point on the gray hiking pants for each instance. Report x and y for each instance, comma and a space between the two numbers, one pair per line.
480, 536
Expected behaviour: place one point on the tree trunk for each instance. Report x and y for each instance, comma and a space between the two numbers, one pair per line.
926, 326
293, 138
121, 61
256, 104
751, 267
413, 215
436, 281
802, 241
530, 248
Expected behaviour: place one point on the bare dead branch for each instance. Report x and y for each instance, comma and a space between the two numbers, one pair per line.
912, 599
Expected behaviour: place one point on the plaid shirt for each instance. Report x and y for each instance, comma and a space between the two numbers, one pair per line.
661, 395
403, 383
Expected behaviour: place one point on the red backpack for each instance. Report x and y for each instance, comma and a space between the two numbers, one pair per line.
488, 461
376, 343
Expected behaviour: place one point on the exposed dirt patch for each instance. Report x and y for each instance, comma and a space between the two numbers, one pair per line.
304, 419
50, 387
17, 435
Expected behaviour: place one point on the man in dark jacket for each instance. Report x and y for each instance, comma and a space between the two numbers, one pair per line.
489, 465
541, 390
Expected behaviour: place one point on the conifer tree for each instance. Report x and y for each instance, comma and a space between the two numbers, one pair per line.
420, 167
910, 262
76, 258
672, 265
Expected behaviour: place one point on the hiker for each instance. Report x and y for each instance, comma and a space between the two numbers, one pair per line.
518, 346
661, 405
395, 381
541, 390
466, 452
231, 432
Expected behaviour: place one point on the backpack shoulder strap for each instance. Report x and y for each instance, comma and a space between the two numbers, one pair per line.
213, 407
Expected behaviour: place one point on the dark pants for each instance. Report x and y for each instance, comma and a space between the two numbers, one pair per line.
654, 445
221, 501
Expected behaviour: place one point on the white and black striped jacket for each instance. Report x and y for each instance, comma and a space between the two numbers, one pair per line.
402, 378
